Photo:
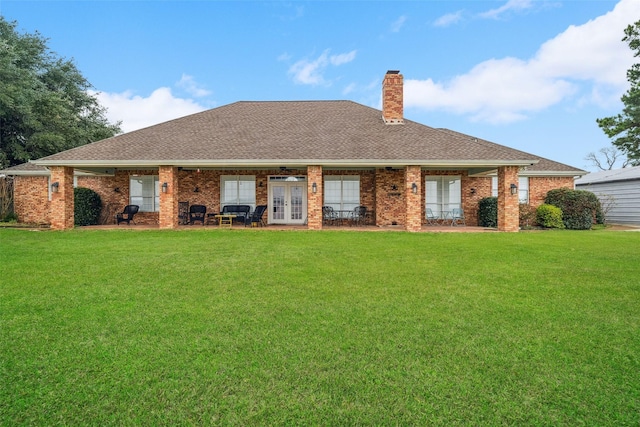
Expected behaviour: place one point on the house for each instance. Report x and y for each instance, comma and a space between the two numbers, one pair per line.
295, 157
618, 191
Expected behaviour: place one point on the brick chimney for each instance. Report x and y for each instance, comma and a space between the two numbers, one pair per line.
392, 94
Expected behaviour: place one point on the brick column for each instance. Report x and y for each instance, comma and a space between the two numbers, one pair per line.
62, 206
168, 217
314, 200
413, 202
508, 206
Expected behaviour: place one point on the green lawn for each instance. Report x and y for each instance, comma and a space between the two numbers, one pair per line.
255, 327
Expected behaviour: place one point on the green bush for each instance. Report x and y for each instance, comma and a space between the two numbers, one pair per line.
87, 206
580, 208
549, 216
527, 215
488, 212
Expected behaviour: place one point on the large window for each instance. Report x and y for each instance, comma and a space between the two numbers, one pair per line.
238, 190
523, 188
442, 194
342, 192
144, 191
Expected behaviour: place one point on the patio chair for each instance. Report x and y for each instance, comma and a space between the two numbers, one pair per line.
127, 214
329, 216
256, 220
359, 215
183, 213
432, 219
457, 217
197, 213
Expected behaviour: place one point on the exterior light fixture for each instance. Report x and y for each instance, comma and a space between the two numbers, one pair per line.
314, 188
514, 189
414, 188
55, 186
165, 187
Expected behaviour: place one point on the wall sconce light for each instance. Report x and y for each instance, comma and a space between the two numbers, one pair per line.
514, 189
414, 188
473, 191
314, 188
165, 187
55, 186
116, 190
196, 190
260, 185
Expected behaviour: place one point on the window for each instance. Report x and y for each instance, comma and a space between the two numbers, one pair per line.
342, 193
238, 190
144, 191
442, 193
523, 188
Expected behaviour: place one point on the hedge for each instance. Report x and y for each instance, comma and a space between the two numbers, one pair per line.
580, 208
488, 212
87, 206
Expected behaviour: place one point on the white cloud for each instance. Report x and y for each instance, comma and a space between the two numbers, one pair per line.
448, 19
138, 112
588, 61
511, 5
311, 72
193, 88
397, 25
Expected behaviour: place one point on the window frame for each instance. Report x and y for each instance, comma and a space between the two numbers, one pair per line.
440, 205
348, 198
238, 199
149, 189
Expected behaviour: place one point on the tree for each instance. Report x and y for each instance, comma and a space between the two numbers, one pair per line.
607, 158
625, 127
45, 106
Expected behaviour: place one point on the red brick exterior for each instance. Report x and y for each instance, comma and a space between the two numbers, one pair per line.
392, 98
61, 212
314, 200
168, 178
31, 199
386, 191
508, 206
413, 200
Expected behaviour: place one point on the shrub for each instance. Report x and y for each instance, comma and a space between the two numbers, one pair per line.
488, 212
527, 215
549, 216
580, 208
87, 206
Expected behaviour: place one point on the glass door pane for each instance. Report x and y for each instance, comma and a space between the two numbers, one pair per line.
277, 202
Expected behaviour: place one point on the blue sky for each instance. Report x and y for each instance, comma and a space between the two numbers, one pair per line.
530, 74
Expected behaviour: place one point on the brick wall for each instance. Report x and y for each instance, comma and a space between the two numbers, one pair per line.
540, 186
31, 199
413, 207
508, 206
314, 200
376, 192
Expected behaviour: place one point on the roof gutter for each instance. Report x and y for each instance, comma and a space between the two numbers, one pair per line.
276, 163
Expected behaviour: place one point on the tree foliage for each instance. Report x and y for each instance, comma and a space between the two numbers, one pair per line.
45, 106
624, 128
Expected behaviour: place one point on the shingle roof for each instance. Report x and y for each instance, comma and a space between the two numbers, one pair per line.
290, 132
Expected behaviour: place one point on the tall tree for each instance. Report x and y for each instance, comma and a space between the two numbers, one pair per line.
625, 127
45, 106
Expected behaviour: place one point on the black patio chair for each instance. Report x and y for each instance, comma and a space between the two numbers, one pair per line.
359, 215
329, 216
256, 220
127, 214
197, 213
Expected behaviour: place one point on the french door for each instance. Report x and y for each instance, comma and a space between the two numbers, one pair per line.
288, 202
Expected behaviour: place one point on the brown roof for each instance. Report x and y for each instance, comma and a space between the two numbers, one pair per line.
288, 133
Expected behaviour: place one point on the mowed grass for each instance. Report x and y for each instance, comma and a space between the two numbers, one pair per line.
255, 327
